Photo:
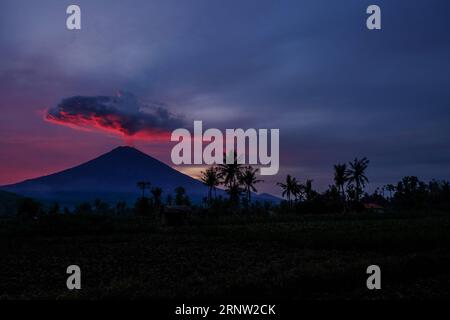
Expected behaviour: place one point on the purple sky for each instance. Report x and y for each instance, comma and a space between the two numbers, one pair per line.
310, 68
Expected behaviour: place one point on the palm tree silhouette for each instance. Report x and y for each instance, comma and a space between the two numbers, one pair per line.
340, 178
234, 191
390, 188
356, 175
248, 180
143, 185
231, 174
211, 178
290, 187
181, 199
157, 193
309, 192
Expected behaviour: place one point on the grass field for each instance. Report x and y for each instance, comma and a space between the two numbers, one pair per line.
307, 257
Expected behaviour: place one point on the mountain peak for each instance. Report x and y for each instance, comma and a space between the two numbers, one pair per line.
126, 151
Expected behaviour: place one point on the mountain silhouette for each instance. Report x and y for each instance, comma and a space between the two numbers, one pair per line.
111, 177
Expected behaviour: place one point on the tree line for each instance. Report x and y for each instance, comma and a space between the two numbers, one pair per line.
239, 181
346, 194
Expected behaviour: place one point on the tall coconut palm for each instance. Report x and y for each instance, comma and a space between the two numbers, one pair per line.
180, 196
234, 192
211, 178
298, 190
290, 187
248, 180
356, 174
230, 172
340, 178
143, 185
157, 193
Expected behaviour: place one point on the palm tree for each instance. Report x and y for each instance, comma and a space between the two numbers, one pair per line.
248, 180
230, 172
290, 187
143, 185
356, 174
157, 193
211, 178
181, 199
390, 188
298, 190
340, 178
234, 191
309, 192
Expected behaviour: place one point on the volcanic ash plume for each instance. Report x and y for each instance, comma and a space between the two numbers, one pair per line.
121, 114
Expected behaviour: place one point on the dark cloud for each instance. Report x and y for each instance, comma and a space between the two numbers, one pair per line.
121, 114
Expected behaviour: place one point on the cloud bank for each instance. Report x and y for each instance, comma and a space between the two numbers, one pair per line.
121, 114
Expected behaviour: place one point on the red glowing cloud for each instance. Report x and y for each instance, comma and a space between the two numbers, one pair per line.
120, 115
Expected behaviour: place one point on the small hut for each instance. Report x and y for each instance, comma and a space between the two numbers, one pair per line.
373, 207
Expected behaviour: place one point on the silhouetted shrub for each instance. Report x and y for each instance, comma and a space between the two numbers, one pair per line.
83, 208
28, 208
142, 207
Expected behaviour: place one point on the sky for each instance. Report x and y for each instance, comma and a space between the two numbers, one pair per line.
312, 69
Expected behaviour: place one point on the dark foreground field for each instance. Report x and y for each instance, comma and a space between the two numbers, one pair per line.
309, 257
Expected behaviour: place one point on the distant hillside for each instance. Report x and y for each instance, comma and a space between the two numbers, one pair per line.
8, 203
268, 197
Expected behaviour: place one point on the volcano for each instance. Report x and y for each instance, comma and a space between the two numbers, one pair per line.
111, 177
